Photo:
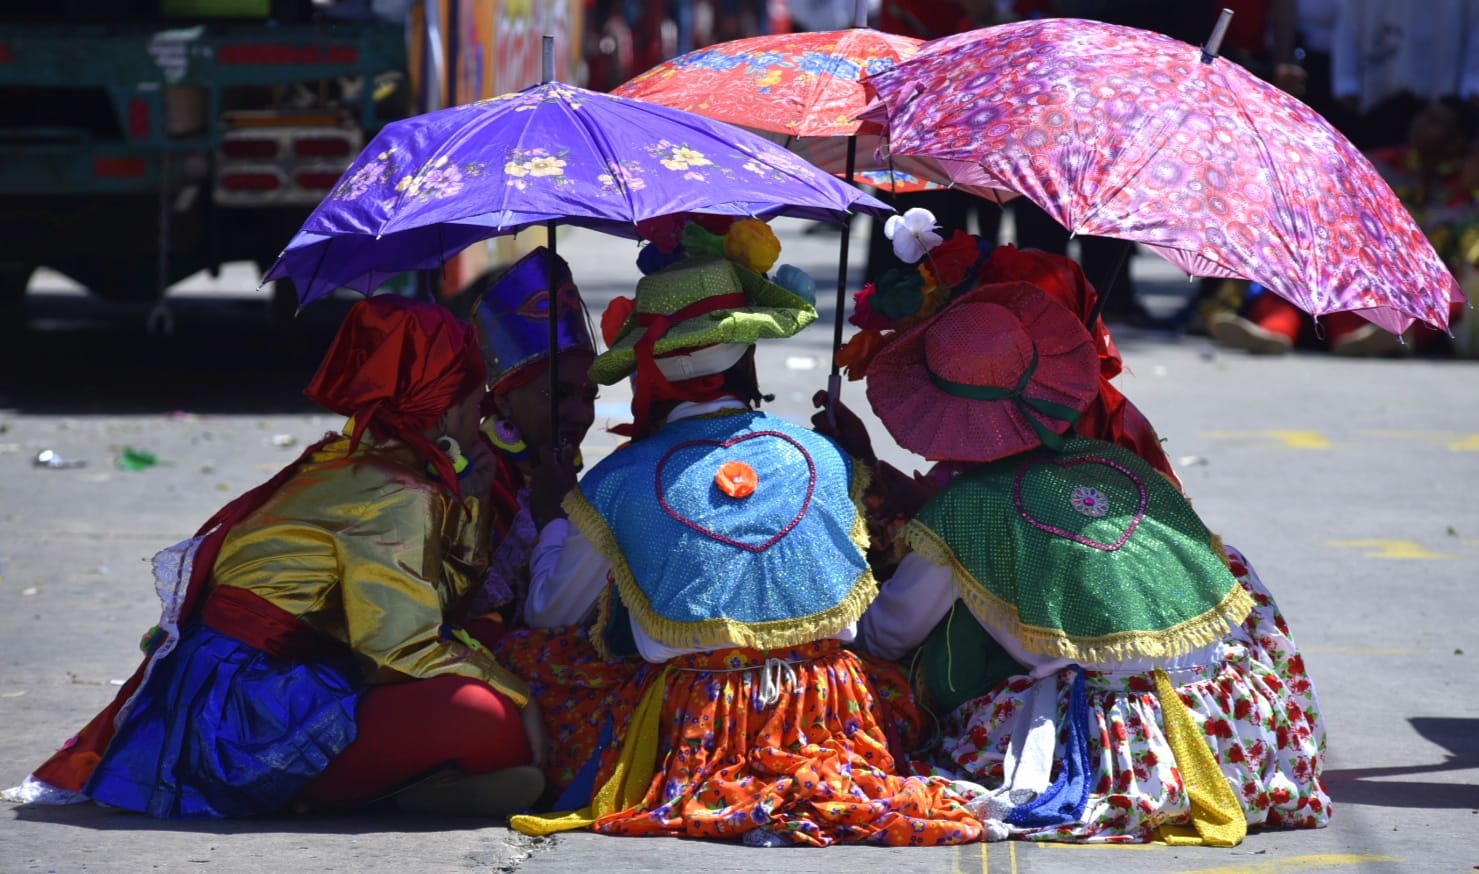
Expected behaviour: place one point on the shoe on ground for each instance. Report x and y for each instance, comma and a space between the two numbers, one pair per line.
453, 793
1237, 332
1369, 341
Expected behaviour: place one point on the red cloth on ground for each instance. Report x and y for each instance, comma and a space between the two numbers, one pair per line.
407, 729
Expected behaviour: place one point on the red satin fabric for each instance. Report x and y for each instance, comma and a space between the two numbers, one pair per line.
397, 365
260, 624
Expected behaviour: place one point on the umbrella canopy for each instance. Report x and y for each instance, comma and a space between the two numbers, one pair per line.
802, 90
1124, 133
427, 187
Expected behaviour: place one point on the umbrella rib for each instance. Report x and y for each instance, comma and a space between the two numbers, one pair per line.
601, 145
1280, 192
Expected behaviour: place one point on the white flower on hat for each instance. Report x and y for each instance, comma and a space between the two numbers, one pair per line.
913, 234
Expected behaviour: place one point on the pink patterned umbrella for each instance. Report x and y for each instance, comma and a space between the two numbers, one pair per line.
1123, 133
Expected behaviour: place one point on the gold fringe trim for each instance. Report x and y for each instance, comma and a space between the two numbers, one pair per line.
1196, 632
722, 632
597, 632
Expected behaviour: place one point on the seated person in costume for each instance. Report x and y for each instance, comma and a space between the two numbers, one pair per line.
909, 293
1095, 656
722, 546
303, 659
537, 459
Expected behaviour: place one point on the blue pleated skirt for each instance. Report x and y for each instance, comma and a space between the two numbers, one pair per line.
225, 730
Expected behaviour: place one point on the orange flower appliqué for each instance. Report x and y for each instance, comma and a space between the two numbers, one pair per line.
736, 479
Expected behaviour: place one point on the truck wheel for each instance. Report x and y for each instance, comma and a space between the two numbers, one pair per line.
13, 281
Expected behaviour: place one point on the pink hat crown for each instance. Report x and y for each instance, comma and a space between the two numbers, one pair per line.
1001, 370
981, 344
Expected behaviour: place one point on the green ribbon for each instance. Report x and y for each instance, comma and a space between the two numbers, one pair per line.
1050, 438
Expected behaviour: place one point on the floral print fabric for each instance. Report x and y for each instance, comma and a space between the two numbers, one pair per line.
1123, 133
1256, 705
811, 768
578, 692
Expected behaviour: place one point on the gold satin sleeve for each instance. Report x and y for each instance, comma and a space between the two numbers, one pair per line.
365, 549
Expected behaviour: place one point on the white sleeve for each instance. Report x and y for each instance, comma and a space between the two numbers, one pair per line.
909, 605
566, 576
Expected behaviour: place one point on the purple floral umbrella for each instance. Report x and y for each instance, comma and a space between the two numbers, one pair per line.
427, 187
1119, 132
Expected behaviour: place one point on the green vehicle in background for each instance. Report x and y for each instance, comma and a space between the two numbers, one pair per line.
142, 141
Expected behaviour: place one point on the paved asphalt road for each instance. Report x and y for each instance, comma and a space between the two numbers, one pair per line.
1350, 485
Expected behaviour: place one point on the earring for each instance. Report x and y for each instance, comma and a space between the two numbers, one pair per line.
506, 437
450, 447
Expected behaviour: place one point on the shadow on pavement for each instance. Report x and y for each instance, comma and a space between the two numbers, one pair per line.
370, 821
77, 355
1373, 786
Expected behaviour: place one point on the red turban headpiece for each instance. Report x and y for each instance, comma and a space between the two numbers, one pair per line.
397, 365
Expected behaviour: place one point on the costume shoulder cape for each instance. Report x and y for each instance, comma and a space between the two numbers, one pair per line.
699, 567
1087, 554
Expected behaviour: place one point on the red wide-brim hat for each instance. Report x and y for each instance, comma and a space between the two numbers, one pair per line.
969, 383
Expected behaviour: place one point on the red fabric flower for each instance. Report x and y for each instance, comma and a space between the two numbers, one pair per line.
950, 262
616, 314
863, 315
736, 479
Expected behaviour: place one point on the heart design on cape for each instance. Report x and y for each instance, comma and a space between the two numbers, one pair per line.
1039, 467
793, 520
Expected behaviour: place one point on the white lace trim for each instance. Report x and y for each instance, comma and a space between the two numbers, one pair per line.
35, 791
172, 567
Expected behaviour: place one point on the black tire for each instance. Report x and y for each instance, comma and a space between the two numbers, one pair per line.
13, 281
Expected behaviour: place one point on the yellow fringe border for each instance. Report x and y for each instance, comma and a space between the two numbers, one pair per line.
721, 632
1199, 631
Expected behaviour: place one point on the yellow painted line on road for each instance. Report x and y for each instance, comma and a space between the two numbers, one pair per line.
1468, 443
1390, 548
1296, 863
1290, 439
986, 857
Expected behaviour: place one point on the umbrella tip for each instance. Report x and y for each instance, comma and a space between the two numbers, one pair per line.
1214, 42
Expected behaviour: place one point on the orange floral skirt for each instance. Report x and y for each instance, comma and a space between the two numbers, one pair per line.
811, 766
583, 697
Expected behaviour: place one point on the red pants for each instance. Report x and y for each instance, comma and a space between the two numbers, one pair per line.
409, 728
1273, 313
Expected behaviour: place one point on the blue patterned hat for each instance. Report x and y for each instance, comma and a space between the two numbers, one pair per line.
512, 315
